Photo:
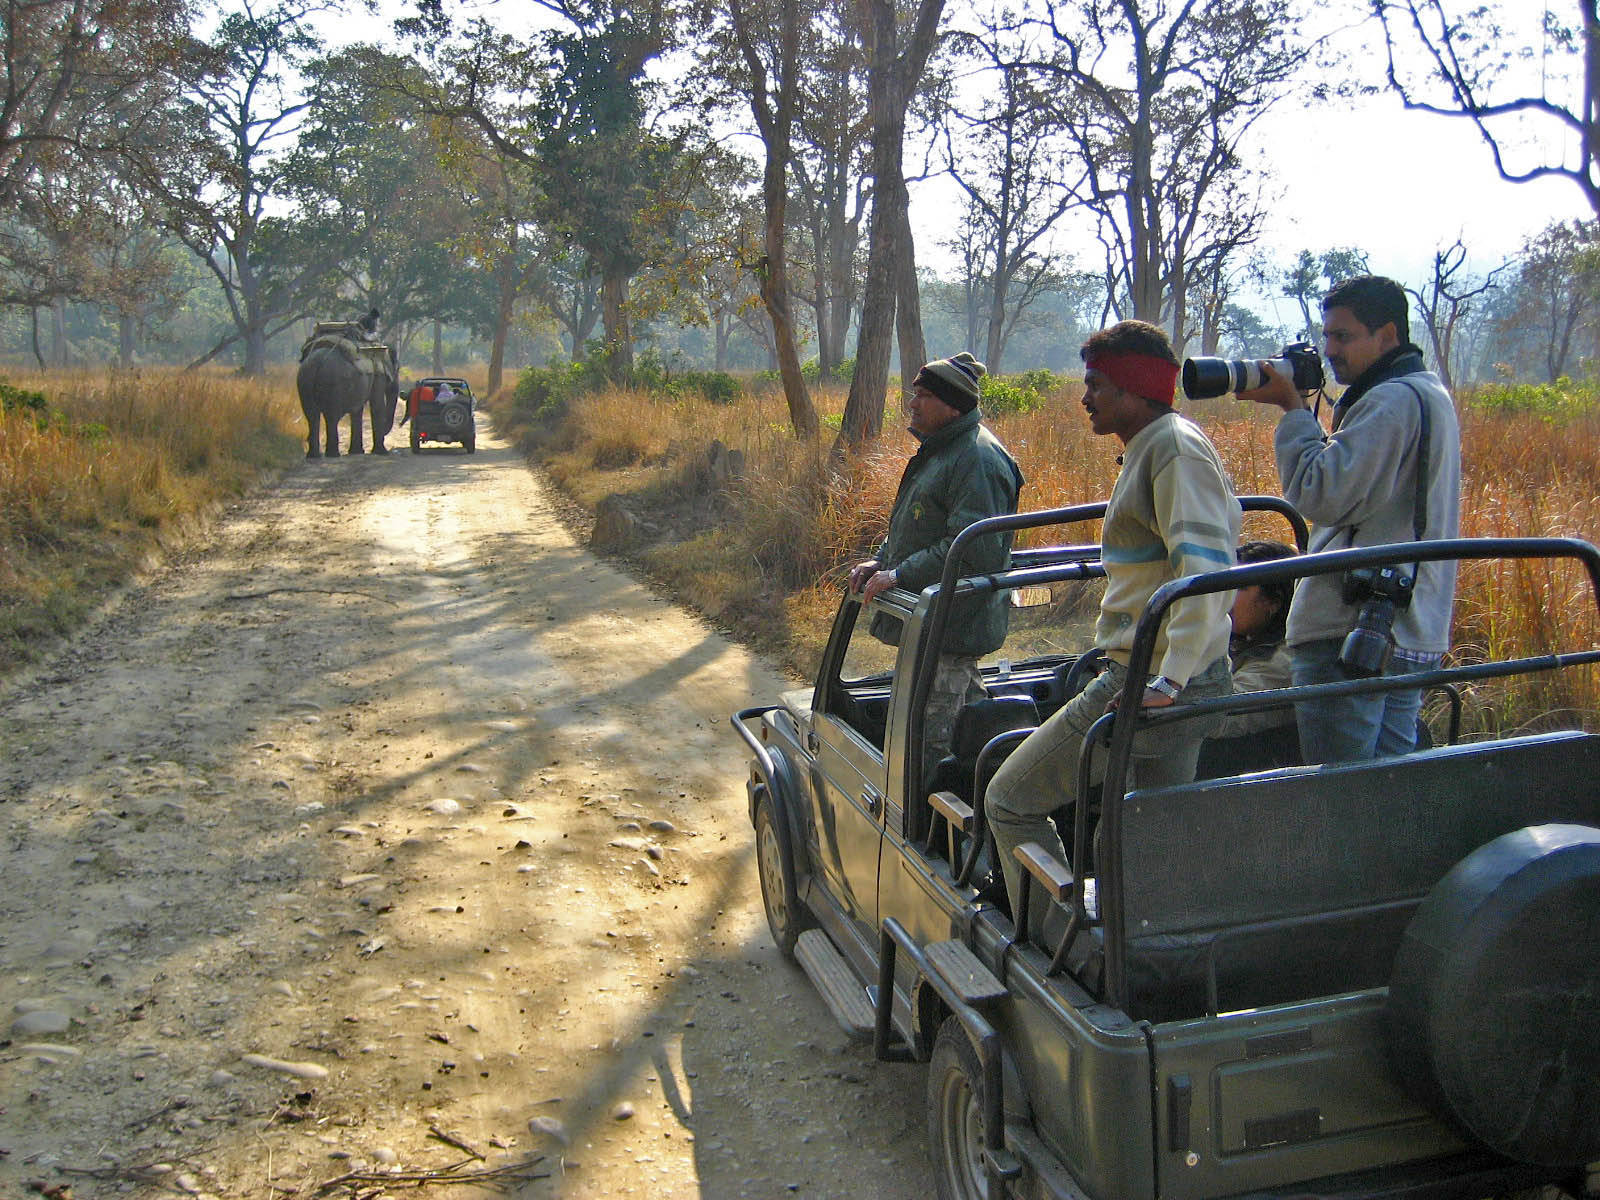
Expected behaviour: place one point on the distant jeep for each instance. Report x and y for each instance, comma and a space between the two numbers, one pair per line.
447, 421
1350, 980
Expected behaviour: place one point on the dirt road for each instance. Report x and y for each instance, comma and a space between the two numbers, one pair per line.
380, 825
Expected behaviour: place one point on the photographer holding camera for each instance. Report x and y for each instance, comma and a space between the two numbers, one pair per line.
1389, 471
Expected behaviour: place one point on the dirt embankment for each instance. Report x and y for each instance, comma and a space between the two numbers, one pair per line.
390, 830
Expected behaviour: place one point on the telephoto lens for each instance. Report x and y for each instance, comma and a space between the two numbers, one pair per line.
1367, 647
1204, 378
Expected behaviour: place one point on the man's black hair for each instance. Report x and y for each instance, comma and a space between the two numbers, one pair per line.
1375, 301
1279, 593
1130, 337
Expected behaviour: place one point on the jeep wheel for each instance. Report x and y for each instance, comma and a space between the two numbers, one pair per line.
1495, 996
471, 441
955, 1115
416, 439
454, 419
786, 916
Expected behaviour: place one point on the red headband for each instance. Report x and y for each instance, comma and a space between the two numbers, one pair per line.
1142, 374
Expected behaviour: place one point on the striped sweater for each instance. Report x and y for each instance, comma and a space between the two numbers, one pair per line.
1172, 513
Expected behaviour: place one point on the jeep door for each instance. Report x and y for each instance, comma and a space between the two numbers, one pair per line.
848, 781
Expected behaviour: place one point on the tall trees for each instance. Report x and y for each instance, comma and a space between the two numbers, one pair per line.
572, 105
1311, 275
81, 78
1472, 66
830, 172
1552, 304
381, 199
215, 169
1446, 303
1157, 99
889, 301
1003, 154
772, 70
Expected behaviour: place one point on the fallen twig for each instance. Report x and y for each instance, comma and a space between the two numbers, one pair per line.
459, 1142
318, 591
522, 1172
173, 1106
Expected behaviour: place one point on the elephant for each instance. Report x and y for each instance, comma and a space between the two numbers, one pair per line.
341, 372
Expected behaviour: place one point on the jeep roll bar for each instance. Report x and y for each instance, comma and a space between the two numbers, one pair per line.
1109, 869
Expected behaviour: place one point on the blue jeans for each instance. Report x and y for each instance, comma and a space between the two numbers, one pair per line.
1352, 728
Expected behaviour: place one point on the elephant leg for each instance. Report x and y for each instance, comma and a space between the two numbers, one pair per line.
331, 442
356, 435
313, 422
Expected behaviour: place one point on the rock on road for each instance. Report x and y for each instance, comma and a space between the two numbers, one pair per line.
389, 830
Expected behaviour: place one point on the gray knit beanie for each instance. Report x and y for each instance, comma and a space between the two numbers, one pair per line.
953, 380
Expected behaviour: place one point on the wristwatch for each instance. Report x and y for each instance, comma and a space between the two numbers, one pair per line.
1165, 686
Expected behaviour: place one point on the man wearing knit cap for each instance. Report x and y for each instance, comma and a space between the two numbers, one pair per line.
1172, 513
960, 474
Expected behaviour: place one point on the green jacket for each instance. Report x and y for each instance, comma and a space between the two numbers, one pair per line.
960, 474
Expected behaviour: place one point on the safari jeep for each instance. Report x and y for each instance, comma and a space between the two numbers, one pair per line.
1365, 979
433, 422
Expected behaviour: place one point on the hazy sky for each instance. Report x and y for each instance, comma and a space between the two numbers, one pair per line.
1367, 173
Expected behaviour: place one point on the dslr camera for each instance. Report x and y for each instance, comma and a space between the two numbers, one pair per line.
1382, 592
1204, 378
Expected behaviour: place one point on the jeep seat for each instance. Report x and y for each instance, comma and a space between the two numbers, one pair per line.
976, 724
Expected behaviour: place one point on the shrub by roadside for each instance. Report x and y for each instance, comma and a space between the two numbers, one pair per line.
96, 468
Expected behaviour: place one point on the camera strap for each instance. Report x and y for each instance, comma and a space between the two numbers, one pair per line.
1419, 509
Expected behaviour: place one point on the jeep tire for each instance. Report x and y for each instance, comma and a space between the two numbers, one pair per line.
955, 1115
416, 439
454, 419
1494, 1003
787, 918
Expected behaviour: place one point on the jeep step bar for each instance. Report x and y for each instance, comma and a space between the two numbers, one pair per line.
840, 989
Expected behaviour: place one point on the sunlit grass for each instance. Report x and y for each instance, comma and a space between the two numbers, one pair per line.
116, 461
796, 519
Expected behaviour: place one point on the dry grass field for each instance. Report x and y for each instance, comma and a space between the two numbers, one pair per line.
772, 561
97, 468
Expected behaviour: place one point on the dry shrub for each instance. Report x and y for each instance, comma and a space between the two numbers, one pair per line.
1526, 475
116, 458
784, 504
619, 427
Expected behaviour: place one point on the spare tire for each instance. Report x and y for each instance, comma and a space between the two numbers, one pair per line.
453, 418
1494, 1004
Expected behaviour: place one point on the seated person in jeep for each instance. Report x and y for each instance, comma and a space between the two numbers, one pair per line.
421, 394
1256, 650
1256, 741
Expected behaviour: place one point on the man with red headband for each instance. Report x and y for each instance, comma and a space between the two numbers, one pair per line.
960, 474
1172, 513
